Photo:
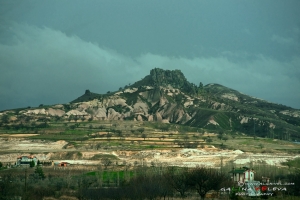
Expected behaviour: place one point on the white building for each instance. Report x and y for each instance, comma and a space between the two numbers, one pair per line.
26, 160
242, 174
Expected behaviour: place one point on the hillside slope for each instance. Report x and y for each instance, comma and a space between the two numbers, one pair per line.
166, 96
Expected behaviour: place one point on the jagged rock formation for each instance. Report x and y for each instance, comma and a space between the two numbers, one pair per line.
166, 96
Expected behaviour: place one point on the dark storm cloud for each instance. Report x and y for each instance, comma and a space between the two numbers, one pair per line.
169, 27
51, 51
41, 65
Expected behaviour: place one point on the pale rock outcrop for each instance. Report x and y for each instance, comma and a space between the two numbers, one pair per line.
100, 113
140, 107
272, 125
188, 103
84, 106
220, 106
139, 118
230, 96
130, 90
167, 110
114, 101
36, 112
150, 118
76, 112
165, 121
58, 106
185, 118
158, 117
244, 120
55, 112
162, 101
174, 114
113, 115
291, 113
212, 121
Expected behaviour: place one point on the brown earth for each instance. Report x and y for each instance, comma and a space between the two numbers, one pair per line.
11, 148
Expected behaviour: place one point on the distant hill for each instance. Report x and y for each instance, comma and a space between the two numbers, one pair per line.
167, 96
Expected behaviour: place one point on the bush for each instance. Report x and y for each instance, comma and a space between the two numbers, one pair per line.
39, 172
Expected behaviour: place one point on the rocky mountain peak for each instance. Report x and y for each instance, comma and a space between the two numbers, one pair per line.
174, 78
160, 77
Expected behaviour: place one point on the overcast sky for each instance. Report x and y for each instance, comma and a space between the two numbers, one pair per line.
51, 51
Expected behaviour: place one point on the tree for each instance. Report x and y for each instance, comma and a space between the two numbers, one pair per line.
220, 136
108, 135
77, 125
141, 130
209, 140
119, 133
5, 119
115, 125
39, 172
186, 138
98, 145
164, 127
106, 162
200, 85
205, 179
9, 188
178, 180
32, 164
295, 178
1, 165
225, 138
144, 136
73, 126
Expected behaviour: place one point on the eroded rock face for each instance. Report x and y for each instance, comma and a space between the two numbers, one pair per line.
36, 112
100, 113
150, 118
116, 108
166, 96
76, 112
113, 115
55, 112
49, 111
139, 118
141, 107
158, 117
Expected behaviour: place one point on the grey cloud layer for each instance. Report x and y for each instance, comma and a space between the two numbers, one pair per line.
42, 65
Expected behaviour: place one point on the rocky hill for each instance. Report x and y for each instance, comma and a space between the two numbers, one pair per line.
166, 96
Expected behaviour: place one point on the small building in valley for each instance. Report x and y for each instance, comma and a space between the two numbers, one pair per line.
27, 160
242, 175
244, 180
63, 164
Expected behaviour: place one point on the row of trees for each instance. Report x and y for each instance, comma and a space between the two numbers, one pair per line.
153, 184
147, 183
140, 182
